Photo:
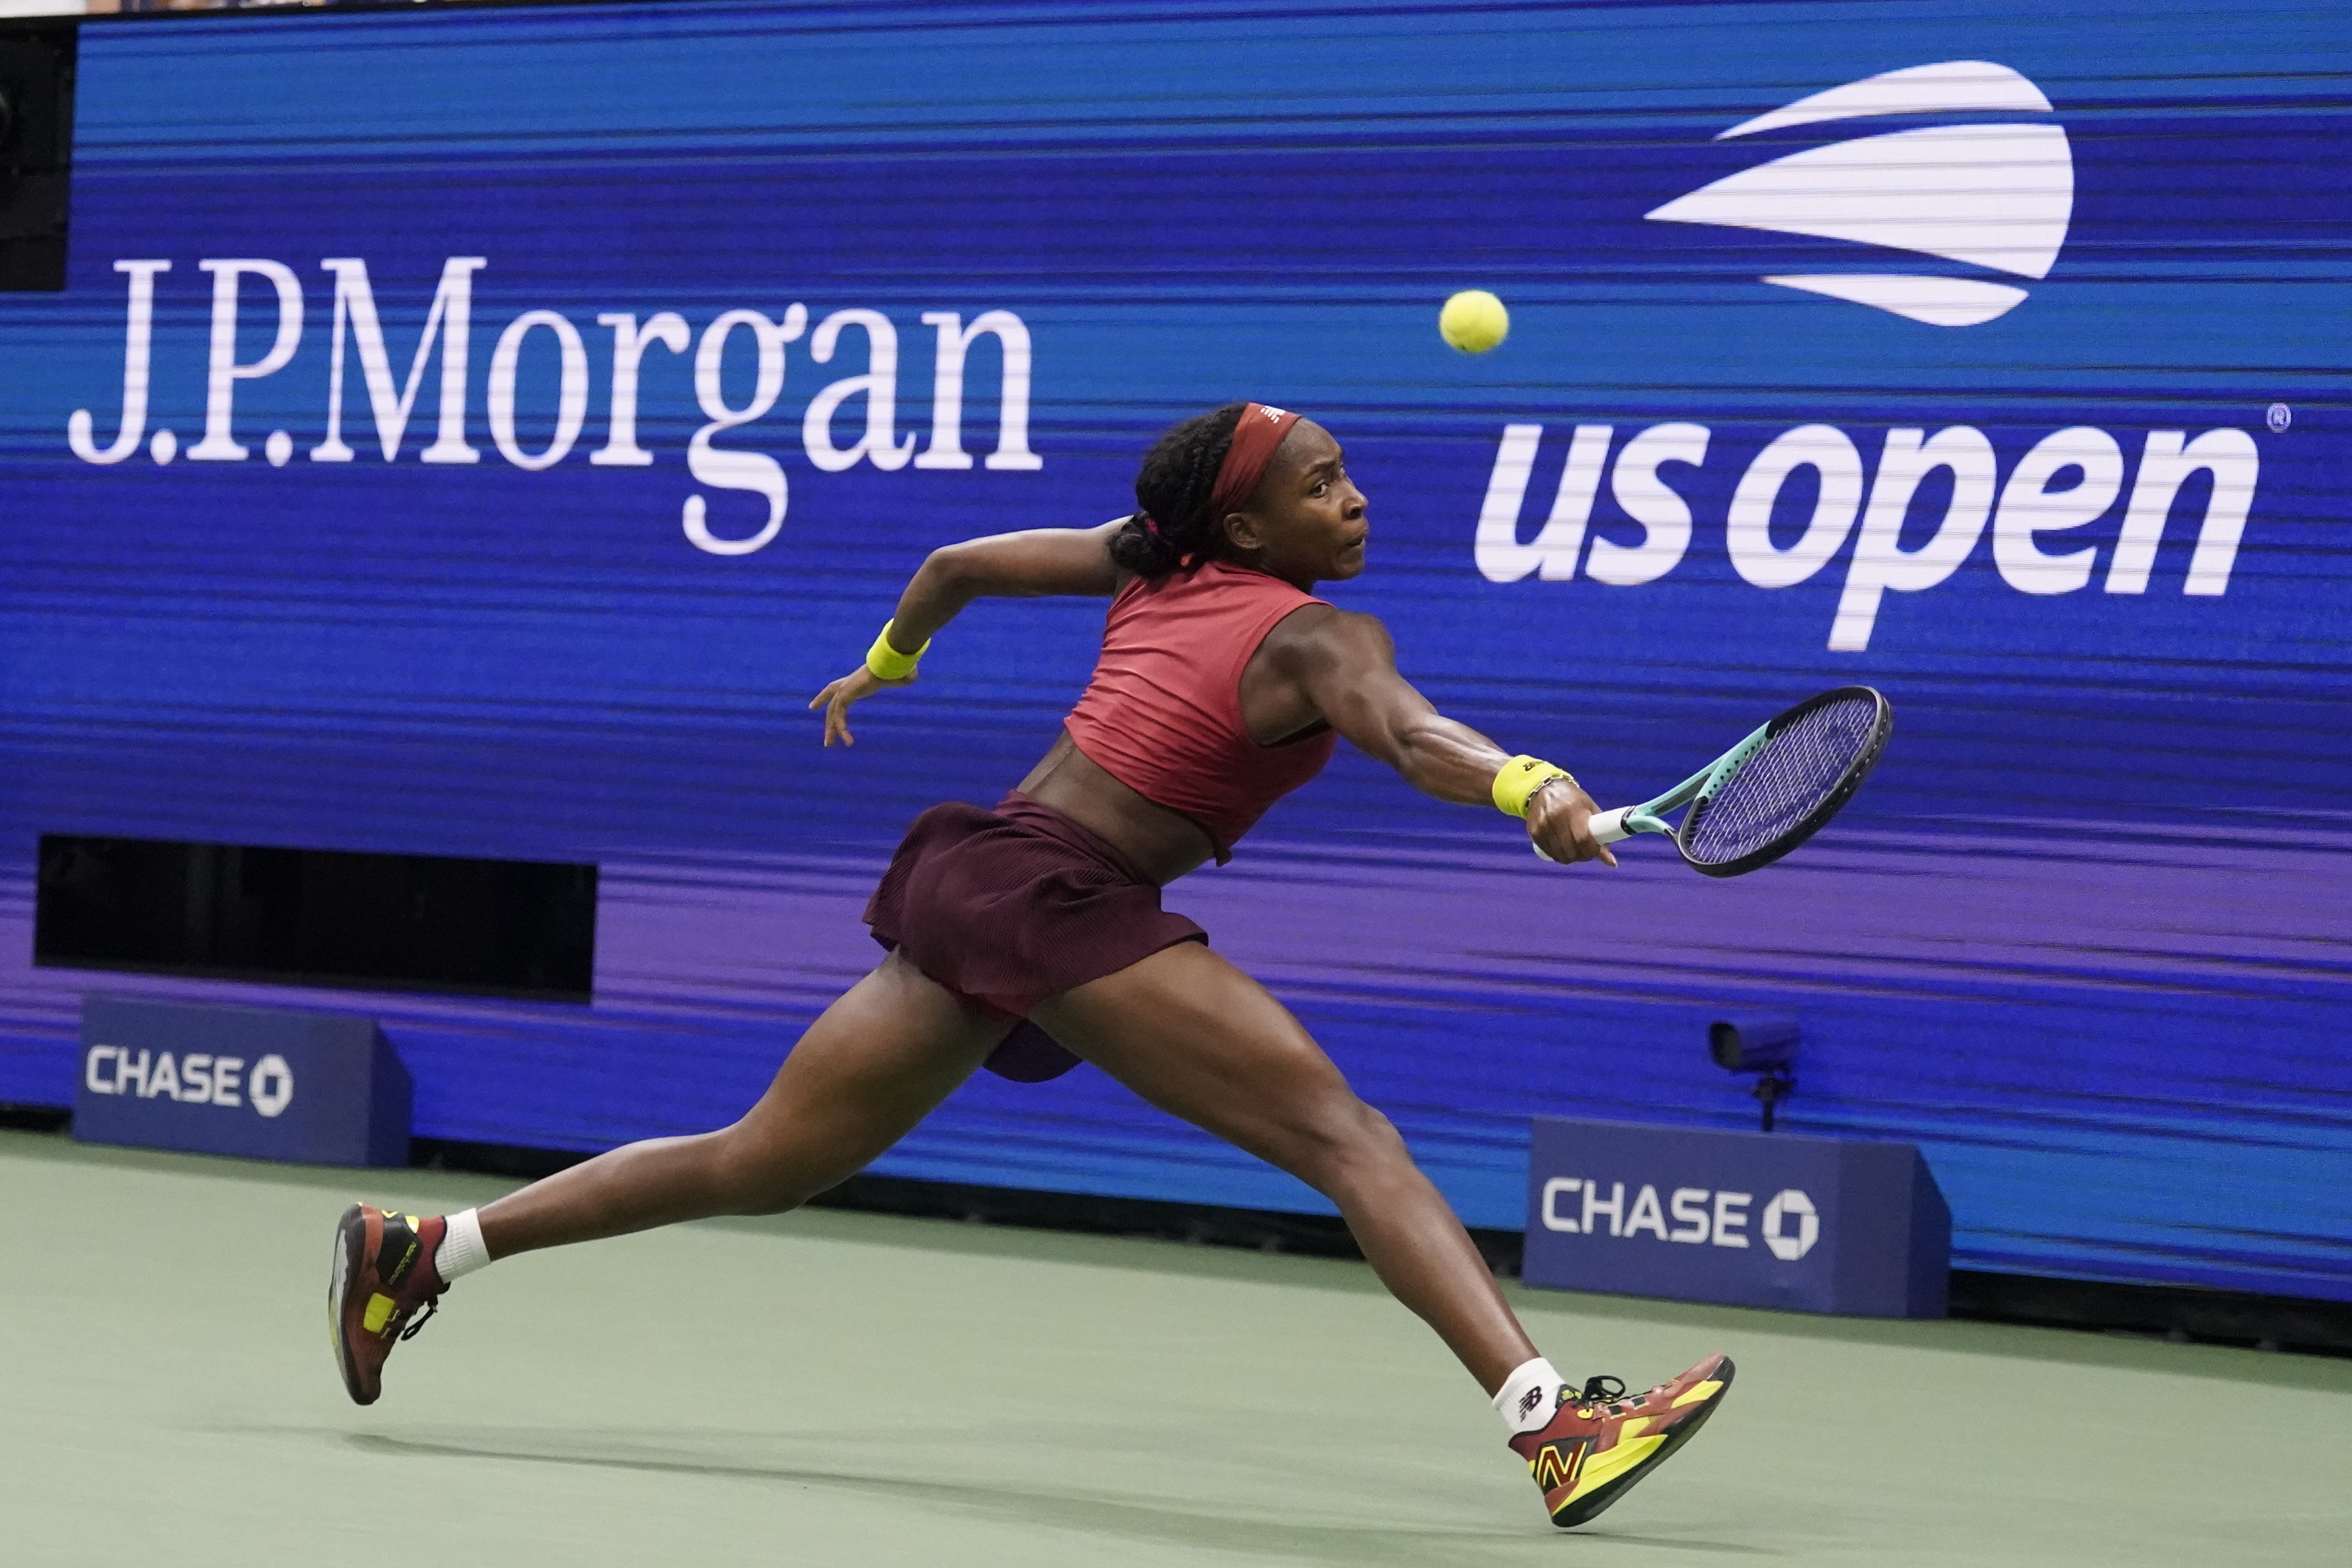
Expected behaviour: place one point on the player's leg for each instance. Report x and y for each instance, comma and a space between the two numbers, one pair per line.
870, 1067
874, 1064
1196, 1037
1199, 1038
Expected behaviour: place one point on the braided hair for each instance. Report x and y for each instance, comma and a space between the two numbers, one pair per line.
1173, 487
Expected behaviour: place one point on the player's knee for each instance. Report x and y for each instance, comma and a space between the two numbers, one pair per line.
753, 1179
1349, 1144
773, 1197
1378, 1145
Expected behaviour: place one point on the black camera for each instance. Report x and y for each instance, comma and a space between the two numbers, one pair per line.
1763, 1042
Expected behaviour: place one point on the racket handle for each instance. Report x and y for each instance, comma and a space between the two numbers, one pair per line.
1608, 828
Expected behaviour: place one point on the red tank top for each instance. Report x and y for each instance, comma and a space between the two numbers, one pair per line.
1164, 715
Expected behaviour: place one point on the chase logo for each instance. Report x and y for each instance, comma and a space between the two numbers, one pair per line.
194, 1078
1996, 196
1791, 1225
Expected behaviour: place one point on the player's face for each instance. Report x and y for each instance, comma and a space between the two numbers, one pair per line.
1306, 524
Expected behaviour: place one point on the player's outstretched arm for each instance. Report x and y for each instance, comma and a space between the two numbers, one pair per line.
1028, 564
1344, 666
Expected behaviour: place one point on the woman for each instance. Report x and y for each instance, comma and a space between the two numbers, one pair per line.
1031, 936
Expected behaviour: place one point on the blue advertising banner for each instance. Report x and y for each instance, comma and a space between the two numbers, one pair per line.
1750, 1219
479, 432
268, 1083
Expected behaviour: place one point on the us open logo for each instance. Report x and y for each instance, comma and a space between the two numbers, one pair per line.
1996, 196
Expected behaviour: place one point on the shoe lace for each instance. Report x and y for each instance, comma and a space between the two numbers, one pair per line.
431, 1306
1601, 1389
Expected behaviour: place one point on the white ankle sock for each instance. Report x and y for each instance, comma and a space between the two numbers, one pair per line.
1529, 1397
462, 1251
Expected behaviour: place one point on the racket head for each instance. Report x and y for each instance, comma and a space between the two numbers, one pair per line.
1814, 758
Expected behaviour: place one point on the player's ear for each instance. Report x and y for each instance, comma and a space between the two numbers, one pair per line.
1242, 531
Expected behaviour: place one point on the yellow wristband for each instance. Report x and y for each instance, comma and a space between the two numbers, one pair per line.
1521, 778
887, 663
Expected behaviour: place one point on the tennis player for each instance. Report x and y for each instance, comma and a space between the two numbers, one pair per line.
1030, 936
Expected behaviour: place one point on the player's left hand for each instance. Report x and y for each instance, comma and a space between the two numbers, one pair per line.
836, 697
1559, 820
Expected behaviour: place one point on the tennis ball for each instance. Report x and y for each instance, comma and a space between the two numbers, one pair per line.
1474, 322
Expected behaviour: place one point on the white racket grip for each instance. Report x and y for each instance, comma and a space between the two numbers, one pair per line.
1608, 828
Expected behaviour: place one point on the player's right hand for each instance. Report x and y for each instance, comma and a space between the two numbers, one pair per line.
836, 697
1560, 820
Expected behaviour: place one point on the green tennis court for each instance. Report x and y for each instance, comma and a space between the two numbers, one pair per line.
830, 1388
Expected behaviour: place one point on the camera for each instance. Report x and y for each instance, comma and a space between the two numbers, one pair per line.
1761, 1043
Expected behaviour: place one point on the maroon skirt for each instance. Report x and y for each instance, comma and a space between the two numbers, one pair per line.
1008, 906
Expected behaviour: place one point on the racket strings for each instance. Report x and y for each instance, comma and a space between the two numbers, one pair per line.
1798, 769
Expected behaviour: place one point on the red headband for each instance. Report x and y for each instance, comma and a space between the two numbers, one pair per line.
1255, 440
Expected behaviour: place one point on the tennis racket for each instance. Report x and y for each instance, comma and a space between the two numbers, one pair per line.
1772, 792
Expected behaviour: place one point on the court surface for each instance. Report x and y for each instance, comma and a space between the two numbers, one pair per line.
828, 1388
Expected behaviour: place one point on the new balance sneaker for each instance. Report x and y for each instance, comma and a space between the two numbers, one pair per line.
1600, 1441
383, 1273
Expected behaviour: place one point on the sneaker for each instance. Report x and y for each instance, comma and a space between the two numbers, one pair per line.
1600, 1441
383, 1273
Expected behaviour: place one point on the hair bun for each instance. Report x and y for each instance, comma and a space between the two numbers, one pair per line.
1173, 489
1143, 548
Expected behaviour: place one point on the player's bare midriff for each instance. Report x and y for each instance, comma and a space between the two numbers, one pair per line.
1160, 844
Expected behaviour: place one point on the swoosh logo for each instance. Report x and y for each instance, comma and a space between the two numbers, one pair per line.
1996, 197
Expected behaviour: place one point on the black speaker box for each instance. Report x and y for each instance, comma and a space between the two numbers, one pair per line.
37, 93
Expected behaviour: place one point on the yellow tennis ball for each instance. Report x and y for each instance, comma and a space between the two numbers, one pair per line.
1474, 322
